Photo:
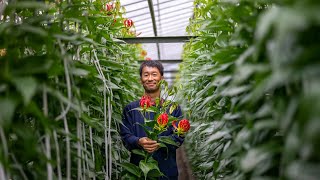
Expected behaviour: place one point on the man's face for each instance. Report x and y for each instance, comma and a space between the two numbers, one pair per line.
149, 78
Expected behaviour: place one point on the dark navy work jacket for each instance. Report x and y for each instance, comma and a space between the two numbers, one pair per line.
130, 133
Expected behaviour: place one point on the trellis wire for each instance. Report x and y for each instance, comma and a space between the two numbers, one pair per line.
47, 135
107, 131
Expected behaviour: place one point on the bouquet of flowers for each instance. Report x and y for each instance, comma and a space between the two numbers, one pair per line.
161, 109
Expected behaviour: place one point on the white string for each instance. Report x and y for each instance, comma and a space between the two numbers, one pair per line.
65, 111
107, 131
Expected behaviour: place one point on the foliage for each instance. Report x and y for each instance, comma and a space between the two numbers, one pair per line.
64, 79
251, 89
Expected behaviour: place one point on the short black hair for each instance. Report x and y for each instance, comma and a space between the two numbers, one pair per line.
151, 63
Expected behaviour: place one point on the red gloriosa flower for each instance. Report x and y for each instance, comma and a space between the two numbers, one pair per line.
128, 23
145, 102
163, 120
183, 126
148, 59
109, 7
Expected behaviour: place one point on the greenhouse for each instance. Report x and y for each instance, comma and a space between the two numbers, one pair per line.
160, 89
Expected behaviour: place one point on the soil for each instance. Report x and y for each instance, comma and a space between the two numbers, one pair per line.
185, 172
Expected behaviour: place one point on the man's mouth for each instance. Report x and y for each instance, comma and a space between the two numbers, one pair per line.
151, 84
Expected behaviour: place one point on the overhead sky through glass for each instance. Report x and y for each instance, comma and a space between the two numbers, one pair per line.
171, 17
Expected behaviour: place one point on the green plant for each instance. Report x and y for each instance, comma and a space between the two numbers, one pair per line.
248, 82
64, 80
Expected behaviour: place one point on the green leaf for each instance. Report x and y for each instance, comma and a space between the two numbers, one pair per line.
26, 86
303, 170
265, 22
64, 99
253, 158
150, 123
112, 85
32, 65
172, 118
37, 112
167, 140
166, 103
218, 135
135, 170
128, 176
28, 4
146, 167
93, 122
7, 107
233, 91
146, 129
139, 152
79, 72
34, 30
98, 140
173, 107
152, 109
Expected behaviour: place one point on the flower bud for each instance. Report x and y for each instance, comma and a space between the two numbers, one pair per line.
128, 23
109, 7
143, 53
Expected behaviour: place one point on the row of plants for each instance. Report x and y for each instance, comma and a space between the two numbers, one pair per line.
64, 79
251, 89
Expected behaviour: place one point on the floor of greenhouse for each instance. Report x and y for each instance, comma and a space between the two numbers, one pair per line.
185, 172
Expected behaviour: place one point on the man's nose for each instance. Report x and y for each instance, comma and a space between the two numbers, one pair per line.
149, 77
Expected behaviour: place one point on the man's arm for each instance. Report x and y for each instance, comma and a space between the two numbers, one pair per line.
127, 131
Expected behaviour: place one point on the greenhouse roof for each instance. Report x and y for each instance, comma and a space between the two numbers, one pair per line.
161, 28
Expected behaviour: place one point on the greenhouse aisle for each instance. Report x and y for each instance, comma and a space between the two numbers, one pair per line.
185, 171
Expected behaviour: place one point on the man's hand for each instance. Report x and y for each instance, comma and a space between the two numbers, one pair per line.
148, 144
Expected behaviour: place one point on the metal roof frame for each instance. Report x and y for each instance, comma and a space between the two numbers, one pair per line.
162, 39
167, 60
161, 22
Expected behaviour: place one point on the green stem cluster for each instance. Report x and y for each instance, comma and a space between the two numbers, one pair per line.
251, 89
63, 83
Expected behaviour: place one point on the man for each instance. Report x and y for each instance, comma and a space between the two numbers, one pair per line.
134, 136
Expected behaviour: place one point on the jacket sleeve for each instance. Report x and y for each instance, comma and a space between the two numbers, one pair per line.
126, 130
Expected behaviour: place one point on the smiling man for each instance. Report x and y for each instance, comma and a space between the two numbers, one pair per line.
134, 136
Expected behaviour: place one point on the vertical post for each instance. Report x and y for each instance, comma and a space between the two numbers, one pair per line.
151, 9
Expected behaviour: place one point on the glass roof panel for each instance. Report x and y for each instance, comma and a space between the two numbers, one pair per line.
151, 49
171, 18
170, 51
167, 13
131, 2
